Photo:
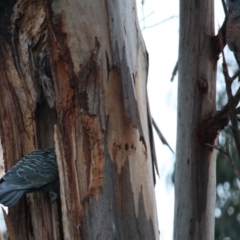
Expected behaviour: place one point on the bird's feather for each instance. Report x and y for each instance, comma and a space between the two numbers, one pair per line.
32, 172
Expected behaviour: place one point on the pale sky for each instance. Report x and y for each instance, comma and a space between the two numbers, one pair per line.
162, 45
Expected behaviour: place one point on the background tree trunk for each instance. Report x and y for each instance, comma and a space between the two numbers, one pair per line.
195, 165
73, 76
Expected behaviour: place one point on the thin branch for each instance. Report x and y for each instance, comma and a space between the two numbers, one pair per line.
226, 152
150, 14
236, 75
160, 135
225, 108
175, 70
159, 23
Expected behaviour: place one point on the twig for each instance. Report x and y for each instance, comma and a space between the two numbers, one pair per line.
159, 23
226, 152
175, 70
236, 75
150, 14
160, 135
236, 100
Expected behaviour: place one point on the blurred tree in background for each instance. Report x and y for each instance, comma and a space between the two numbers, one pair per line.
227, 202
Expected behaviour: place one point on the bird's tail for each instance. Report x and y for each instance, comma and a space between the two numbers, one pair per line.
10, 197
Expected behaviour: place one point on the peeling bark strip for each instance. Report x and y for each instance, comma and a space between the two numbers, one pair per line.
73, 76
122, 59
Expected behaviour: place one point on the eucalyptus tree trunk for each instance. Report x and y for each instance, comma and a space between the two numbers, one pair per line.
73, 76
195, 165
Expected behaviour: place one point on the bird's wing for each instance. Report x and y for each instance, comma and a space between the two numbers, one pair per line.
34, 170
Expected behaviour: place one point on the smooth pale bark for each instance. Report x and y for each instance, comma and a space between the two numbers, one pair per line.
73, 76
195, 164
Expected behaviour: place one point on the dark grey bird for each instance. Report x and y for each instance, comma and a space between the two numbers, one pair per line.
35, 171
